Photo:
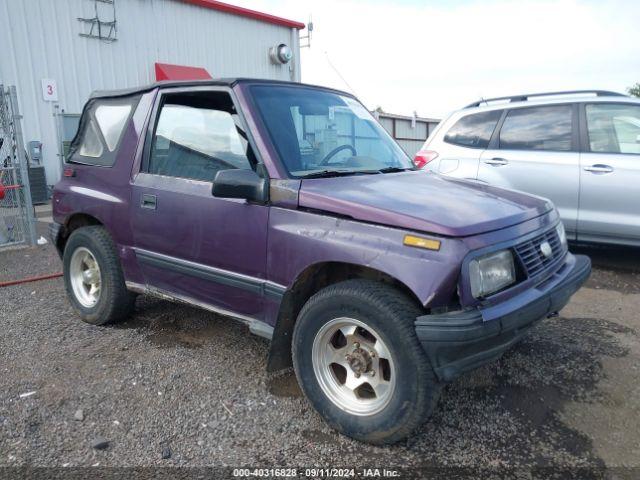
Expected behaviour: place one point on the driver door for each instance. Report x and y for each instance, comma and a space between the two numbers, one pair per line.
187, 242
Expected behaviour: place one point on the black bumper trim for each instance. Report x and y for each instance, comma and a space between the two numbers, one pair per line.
460, 341
54, 234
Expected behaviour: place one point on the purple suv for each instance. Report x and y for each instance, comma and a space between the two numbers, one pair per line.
289, 208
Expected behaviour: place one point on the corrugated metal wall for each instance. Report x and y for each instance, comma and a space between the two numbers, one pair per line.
410, 138
40, 39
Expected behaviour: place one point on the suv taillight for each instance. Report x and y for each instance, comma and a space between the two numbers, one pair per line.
423, 157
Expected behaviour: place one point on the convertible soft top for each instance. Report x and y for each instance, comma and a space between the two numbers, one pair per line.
228, 82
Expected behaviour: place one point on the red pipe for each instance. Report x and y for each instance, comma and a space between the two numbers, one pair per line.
4, 188
30, 279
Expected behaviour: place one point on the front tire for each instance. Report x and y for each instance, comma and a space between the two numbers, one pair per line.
93, 277
359, 362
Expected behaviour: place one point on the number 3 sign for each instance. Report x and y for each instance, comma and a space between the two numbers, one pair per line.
49, 90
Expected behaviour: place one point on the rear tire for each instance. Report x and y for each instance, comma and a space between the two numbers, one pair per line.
359, 362
93, 277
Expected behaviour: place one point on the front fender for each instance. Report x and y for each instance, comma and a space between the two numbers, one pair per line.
298, 239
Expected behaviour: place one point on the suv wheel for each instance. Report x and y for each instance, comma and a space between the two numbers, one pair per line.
93, 277
359, 362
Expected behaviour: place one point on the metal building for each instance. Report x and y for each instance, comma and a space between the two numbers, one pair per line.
57, 52
409, 132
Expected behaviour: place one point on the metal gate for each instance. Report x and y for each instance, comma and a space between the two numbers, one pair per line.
17, 220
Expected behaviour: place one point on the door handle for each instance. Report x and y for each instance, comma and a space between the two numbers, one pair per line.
496, 162
599, 168
149, 201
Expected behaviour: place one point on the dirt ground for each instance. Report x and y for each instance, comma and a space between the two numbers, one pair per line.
190, 386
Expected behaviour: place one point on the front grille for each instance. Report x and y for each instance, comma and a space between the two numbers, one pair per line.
533, 259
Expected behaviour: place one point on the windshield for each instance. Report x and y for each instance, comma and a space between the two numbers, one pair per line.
319, 133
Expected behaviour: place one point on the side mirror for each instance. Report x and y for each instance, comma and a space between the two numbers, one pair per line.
240, 183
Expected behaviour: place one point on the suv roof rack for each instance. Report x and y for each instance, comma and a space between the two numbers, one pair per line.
527, 96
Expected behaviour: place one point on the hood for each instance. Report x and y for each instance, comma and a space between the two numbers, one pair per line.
422, 201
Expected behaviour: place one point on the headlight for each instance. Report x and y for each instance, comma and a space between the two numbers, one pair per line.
562, 234
491, 273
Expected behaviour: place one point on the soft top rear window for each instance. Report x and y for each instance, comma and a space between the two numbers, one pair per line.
100, 130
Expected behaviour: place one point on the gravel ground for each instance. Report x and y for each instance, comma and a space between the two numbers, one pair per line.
186, 384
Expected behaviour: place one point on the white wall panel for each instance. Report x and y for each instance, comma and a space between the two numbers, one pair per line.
411, 147
405, 130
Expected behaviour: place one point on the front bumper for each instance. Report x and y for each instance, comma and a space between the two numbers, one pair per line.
456, 342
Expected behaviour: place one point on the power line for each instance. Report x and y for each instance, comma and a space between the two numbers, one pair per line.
338, 73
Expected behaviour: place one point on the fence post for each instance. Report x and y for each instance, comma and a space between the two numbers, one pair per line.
24, 165
57, 115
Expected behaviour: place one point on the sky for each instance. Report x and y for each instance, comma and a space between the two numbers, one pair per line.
436, 56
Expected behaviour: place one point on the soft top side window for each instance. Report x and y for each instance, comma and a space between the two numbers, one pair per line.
196, 135
91, 145
101, 127
474, 130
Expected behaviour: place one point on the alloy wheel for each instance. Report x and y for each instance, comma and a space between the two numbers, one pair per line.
353, 366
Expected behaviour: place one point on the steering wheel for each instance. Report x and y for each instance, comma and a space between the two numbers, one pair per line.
332, 153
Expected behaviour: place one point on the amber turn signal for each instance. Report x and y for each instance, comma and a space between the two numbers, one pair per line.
419, 242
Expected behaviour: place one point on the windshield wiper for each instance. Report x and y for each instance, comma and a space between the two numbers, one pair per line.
395, 169
338, 173
345, 173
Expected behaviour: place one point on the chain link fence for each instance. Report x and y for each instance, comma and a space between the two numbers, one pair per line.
17, 222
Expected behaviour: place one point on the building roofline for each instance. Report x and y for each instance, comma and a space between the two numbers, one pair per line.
405, 117
246, 12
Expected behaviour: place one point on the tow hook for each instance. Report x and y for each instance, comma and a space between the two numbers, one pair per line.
553, 315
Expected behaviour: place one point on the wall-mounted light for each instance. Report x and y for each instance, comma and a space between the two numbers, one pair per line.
280, 54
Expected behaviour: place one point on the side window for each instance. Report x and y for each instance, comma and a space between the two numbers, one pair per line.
613, 128
473, 130
101, 127
537, 128
197, 135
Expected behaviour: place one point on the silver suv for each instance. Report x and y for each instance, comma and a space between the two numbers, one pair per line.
581, 149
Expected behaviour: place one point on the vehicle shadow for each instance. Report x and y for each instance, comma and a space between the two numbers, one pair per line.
613, 257
168, 324
614, 267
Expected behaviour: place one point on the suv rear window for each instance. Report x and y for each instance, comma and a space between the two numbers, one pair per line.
474, 130
101, 126
537, 128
